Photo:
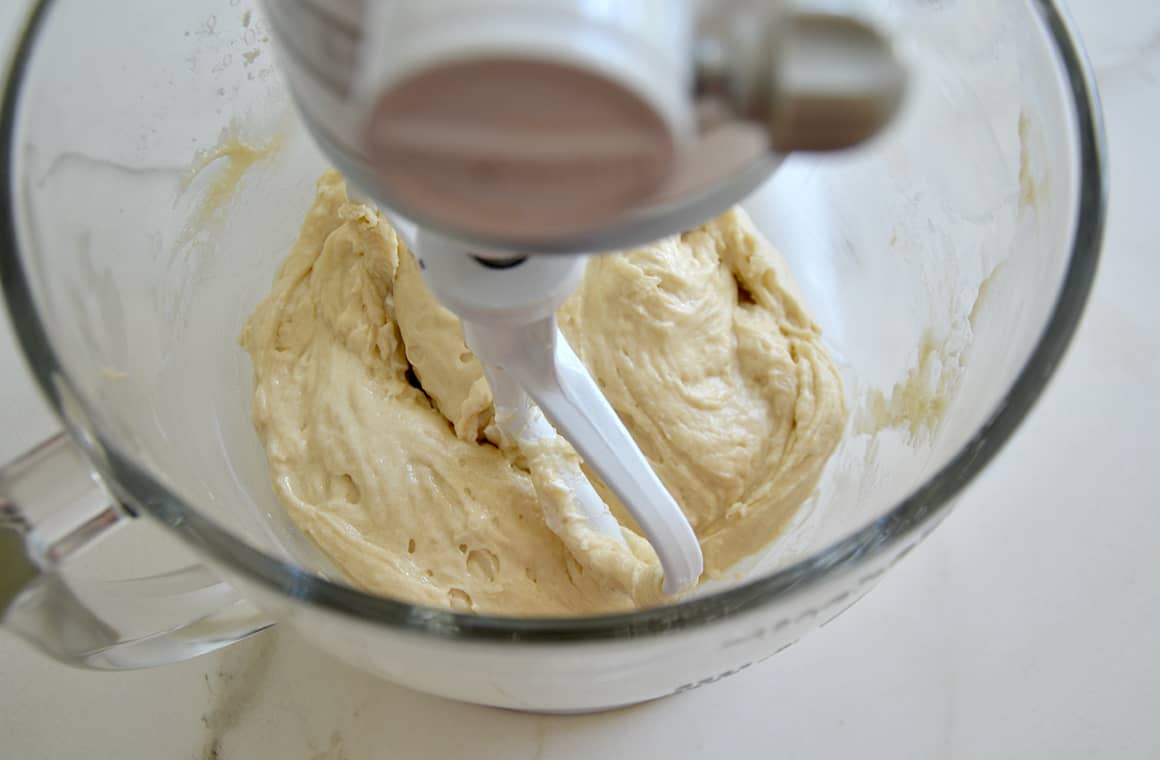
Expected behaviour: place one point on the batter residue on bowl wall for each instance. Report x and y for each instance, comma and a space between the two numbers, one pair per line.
233, 155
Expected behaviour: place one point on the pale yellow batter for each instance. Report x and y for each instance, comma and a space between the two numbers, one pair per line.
377, 421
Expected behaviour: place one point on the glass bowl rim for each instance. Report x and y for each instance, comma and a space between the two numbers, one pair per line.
885, 535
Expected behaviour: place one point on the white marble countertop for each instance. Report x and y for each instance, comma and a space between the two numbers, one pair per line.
1038, 600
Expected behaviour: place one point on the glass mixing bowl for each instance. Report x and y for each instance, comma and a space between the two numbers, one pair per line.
154, 177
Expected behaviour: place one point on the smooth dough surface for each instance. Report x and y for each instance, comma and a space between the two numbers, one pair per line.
377, 420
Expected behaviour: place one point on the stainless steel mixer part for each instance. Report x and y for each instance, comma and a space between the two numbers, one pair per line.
548, 126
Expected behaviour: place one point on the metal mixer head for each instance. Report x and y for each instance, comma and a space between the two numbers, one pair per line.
545, 126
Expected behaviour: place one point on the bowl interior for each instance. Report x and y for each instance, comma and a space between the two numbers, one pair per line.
160, 176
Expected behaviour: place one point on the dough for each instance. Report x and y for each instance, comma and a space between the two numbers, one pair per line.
377, 421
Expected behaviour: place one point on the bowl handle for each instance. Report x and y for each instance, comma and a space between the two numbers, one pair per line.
53, 506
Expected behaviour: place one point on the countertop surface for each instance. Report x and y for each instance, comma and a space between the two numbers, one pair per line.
1026, 626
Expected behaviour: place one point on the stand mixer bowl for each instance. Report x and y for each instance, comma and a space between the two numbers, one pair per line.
155, 175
